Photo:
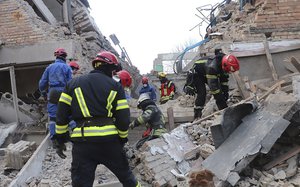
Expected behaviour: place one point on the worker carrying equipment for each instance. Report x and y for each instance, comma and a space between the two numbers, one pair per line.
167, 88
214, 72
98, 105
152, 117
147, 88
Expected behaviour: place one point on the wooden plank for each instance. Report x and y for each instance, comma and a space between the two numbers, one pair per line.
295, 150
270, 61
171, 120
296, 63
45, 11
255, 49
14, 92
241, 85
243, 101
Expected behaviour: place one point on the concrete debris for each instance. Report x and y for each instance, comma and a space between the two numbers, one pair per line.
18, 154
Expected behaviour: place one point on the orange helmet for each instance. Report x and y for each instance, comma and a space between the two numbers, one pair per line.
230, 63
60, 52
145, 80
125, 78
105, 57
74, 65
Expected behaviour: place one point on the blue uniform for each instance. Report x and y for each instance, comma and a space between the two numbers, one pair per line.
150, 90
56, 77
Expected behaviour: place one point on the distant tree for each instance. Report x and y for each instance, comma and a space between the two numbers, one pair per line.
181, 47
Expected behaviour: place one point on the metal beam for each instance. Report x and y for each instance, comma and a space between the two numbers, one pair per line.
45, 11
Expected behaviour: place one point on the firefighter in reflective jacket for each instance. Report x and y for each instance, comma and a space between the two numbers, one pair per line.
213, 71
167, 88
152, 117
98, 105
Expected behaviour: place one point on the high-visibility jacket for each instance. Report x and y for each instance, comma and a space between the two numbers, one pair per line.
167, 91
89, 98
209, 70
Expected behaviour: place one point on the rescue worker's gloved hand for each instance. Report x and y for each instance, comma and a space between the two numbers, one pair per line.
132, 125
189, 90
60, 148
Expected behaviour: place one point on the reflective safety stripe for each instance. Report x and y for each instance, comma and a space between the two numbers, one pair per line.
211, 76
170, 84
85, 111
138, 184
200, 61
215, 91
123, 134
140, 120
224, 83
110, 99
95, 131
61, 129
65, 98
122, 104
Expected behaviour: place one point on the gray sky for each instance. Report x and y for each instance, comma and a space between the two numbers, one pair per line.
147, 28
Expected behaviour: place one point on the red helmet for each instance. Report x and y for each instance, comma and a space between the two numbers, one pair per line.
60, 52
73, 64
125, 78
106, 57
230, 63
145, 80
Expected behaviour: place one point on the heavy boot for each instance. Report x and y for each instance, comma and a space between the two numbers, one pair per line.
197, 112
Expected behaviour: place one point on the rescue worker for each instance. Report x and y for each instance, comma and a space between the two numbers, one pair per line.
147, 88
53, 80
98, 105
75, 67
126, 81
167, 88
213, 71
152, 117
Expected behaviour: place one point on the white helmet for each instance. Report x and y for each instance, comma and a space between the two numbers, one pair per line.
143, 97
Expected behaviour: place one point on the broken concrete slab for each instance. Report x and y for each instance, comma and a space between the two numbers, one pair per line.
5, 130
257, 134
7, 115
229, 121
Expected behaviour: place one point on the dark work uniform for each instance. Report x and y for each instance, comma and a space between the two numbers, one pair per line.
209, 70
98, 105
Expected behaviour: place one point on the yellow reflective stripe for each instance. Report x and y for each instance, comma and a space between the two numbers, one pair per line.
123, 134
200, 61
140, 120
211, 76
61, 129
122, 104
138, 184
170, 84
95, 131
224, 83
110, 99
215, 91
85, 111
65, 98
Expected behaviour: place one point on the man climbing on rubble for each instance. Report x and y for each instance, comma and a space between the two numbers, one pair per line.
126, 81
167, 88
98, 105
53, 80
147, 88
152, 117
213, 71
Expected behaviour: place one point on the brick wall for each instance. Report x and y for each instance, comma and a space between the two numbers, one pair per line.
281, 17
19, 25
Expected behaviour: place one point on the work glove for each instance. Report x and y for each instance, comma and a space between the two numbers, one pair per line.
60, 148
189, 90
132, 125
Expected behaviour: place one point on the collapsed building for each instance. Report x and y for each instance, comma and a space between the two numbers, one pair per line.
251, 143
